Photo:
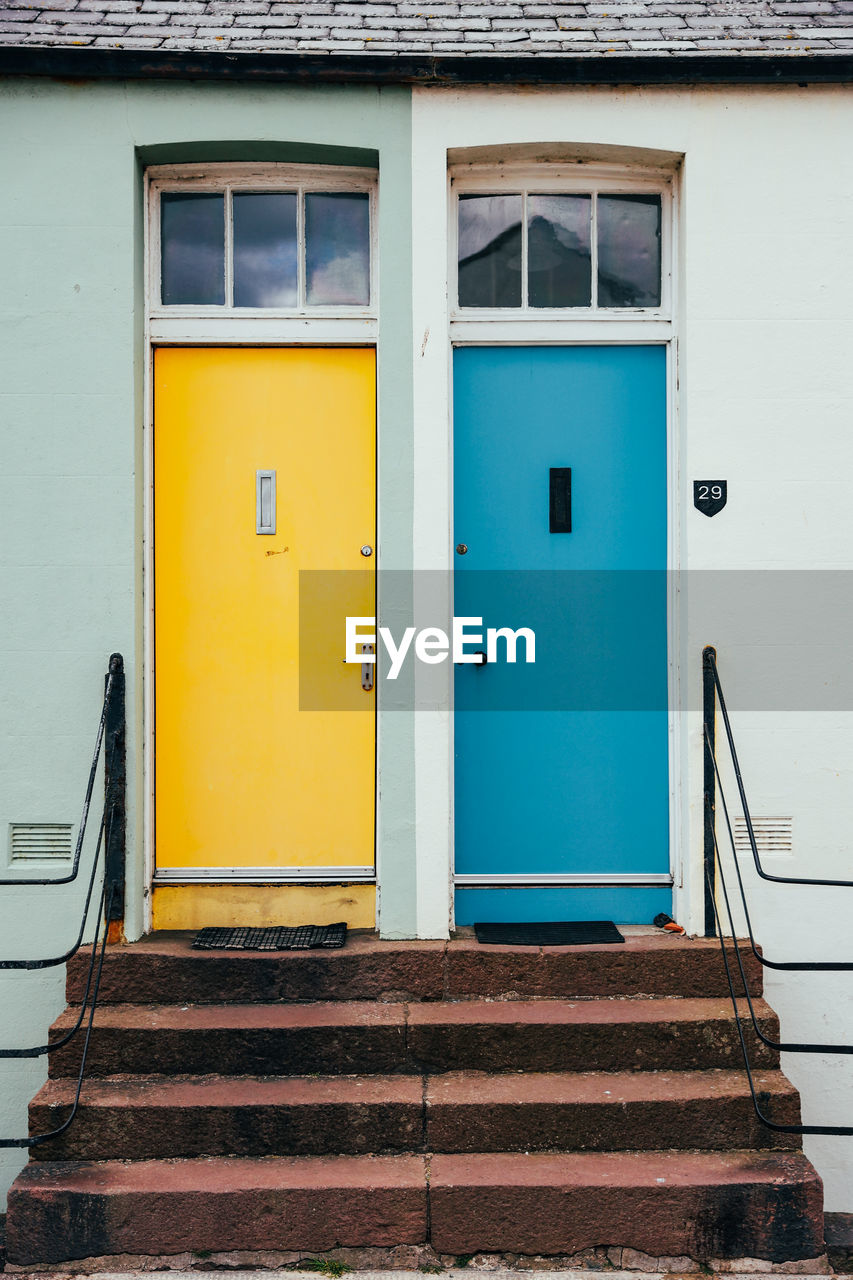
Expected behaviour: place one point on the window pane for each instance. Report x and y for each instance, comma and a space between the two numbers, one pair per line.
629, 251
559, 264
337, 249
490, 251
192, 248
265, 249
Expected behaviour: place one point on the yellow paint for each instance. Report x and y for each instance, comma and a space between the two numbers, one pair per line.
194, 906
243, 777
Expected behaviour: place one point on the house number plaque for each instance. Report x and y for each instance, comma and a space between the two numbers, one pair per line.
709, 496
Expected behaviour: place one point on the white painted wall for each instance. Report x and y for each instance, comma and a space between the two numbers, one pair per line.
765, 400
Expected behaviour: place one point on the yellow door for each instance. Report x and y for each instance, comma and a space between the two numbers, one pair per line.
247, 784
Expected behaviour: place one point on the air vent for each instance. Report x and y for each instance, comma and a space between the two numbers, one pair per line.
40, 841
773, 836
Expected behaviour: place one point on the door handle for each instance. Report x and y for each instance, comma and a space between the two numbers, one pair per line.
367, 669
264, 502
560, 500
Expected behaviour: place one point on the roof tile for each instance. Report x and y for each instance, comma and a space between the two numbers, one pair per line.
669, 28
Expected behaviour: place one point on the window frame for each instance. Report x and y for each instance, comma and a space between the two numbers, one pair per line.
569, 179
246, 178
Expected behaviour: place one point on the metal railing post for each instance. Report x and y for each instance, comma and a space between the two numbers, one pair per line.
115, 790
709, 721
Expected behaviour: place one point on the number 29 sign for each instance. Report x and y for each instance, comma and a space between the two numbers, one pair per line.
709, 496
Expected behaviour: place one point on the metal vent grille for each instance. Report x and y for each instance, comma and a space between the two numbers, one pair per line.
773, 836
40, 841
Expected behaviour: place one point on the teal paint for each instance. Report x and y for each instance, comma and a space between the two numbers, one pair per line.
571, 749
72, 376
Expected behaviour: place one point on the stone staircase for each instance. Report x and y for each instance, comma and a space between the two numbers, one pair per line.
503, 1100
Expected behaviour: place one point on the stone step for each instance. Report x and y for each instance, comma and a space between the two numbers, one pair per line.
155, 1117
606, 1111
699, 1204
348, 1038
583, 1035
164, 966
703, 1205
140, 1118
65, 1210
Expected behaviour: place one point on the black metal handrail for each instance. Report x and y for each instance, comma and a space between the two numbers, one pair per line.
111, 837
715, 873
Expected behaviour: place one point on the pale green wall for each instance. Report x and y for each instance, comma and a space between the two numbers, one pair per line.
71, 381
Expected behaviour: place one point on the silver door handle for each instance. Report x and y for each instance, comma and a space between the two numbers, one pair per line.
367, 669
264, 502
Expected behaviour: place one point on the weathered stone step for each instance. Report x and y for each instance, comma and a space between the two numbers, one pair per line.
356, 1038
59, 1211
697, 1204
583, 1035
700, 1204
606, 1111
155, 1117
140, 1118
164, 966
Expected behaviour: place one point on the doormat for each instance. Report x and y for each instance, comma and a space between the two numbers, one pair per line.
548, 933
302, 937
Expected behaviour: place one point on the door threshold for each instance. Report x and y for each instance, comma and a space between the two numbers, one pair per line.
264, 875
546, 880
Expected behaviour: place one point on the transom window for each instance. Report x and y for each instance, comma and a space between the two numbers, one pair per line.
285, 242
532, 250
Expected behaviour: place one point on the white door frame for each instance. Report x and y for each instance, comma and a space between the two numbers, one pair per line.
434, 484
184, 326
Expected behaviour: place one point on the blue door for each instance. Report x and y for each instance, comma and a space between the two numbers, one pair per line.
560, 527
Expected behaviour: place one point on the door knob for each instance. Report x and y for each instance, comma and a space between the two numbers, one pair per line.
367, 550
461, 549
367, 669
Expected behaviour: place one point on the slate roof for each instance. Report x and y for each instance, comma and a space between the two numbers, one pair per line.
688, 28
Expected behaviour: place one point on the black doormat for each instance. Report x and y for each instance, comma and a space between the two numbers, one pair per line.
548, 933
302, 937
